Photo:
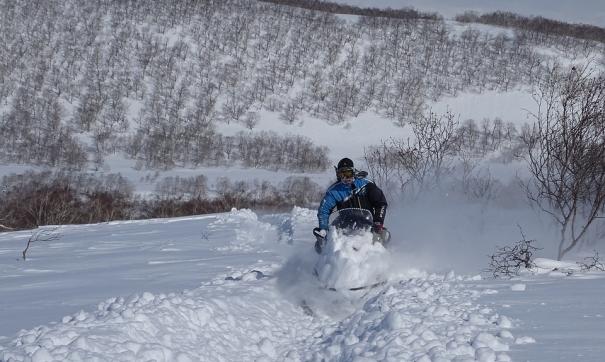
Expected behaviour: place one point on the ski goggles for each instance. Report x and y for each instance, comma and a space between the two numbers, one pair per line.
346, 173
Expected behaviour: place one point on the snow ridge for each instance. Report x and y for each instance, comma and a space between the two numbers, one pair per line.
429, 318
190, 326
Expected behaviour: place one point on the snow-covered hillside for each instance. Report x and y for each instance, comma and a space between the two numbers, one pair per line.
151, 105
587, 12
204, 81
230, 287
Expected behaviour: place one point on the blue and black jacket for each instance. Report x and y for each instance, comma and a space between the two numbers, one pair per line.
362, 194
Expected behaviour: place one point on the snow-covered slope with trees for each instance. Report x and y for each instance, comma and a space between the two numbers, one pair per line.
71, 94
589, 12
114, 111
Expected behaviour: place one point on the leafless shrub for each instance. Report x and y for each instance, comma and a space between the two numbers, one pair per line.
235, 107
32, 132
425, 160
251, 119
333, 7
381, 164
481, 185
536, 24
47, 234
271, 151
300, 191
294, 191
176, 187
566, 155
509, 260
290, 112
183, 146
469, 134
103, 206
47, 198
489, 136
592, 263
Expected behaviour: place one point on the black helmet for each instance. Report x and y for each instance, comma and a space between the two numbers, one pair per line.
345, 168
345, 163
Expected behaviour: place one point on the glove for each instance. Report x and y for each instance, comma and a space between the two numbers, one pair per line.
320, 235
378, 227
381, 234
320, 232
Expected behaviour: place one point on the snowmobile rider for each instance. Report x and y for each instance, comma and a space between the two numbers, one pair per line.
351, 189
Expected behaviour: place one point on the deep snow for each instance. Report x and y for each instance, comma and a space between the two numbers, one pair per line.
230, 286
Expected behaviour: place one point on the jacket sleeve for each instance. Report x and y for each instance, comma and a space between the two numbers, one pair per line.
378, 202
325, 208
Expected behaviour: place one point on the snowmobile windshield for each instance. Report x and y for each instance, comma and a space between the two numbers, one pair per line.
351, 219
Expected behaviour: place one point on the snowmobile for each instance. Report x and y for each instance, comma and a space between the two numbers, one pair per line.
352, 254
353, 221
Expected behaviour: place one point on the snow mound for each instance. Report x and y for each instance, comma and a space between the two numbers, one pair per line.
557, 268
297, 226
190, 326
547, 265
421, 319
243, 231
303, 221
519, 287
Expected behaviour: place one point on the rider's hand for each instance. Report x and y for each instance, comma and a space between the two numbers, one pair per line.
320, 235
320, 232
377, 227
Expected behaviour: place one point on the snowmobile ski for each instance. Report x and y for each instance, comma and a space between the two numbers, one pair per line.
370, 286
374, 285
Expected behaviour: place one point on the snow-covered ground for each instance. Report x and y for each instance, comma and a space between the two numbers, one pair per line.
239, 287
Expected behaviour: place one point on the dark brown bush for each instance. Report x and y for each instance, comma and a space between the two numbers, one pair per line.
46, 198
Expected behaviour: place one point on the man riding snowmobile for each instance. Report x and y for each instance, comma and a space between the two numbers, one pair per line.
351, 190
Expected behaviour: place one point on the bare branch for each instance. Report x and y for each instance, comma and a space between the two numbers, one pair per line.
5, 227
508, 261
592, 263
42, 235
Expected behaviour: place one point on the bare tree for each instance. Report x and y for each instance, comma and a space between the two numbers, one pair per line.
251, 120
42, 235
428, 158
567, 153
381, 164
290, 112
417, 164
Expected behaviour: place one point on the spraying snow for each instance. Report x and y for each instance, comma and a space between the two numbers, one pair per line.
351, 261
